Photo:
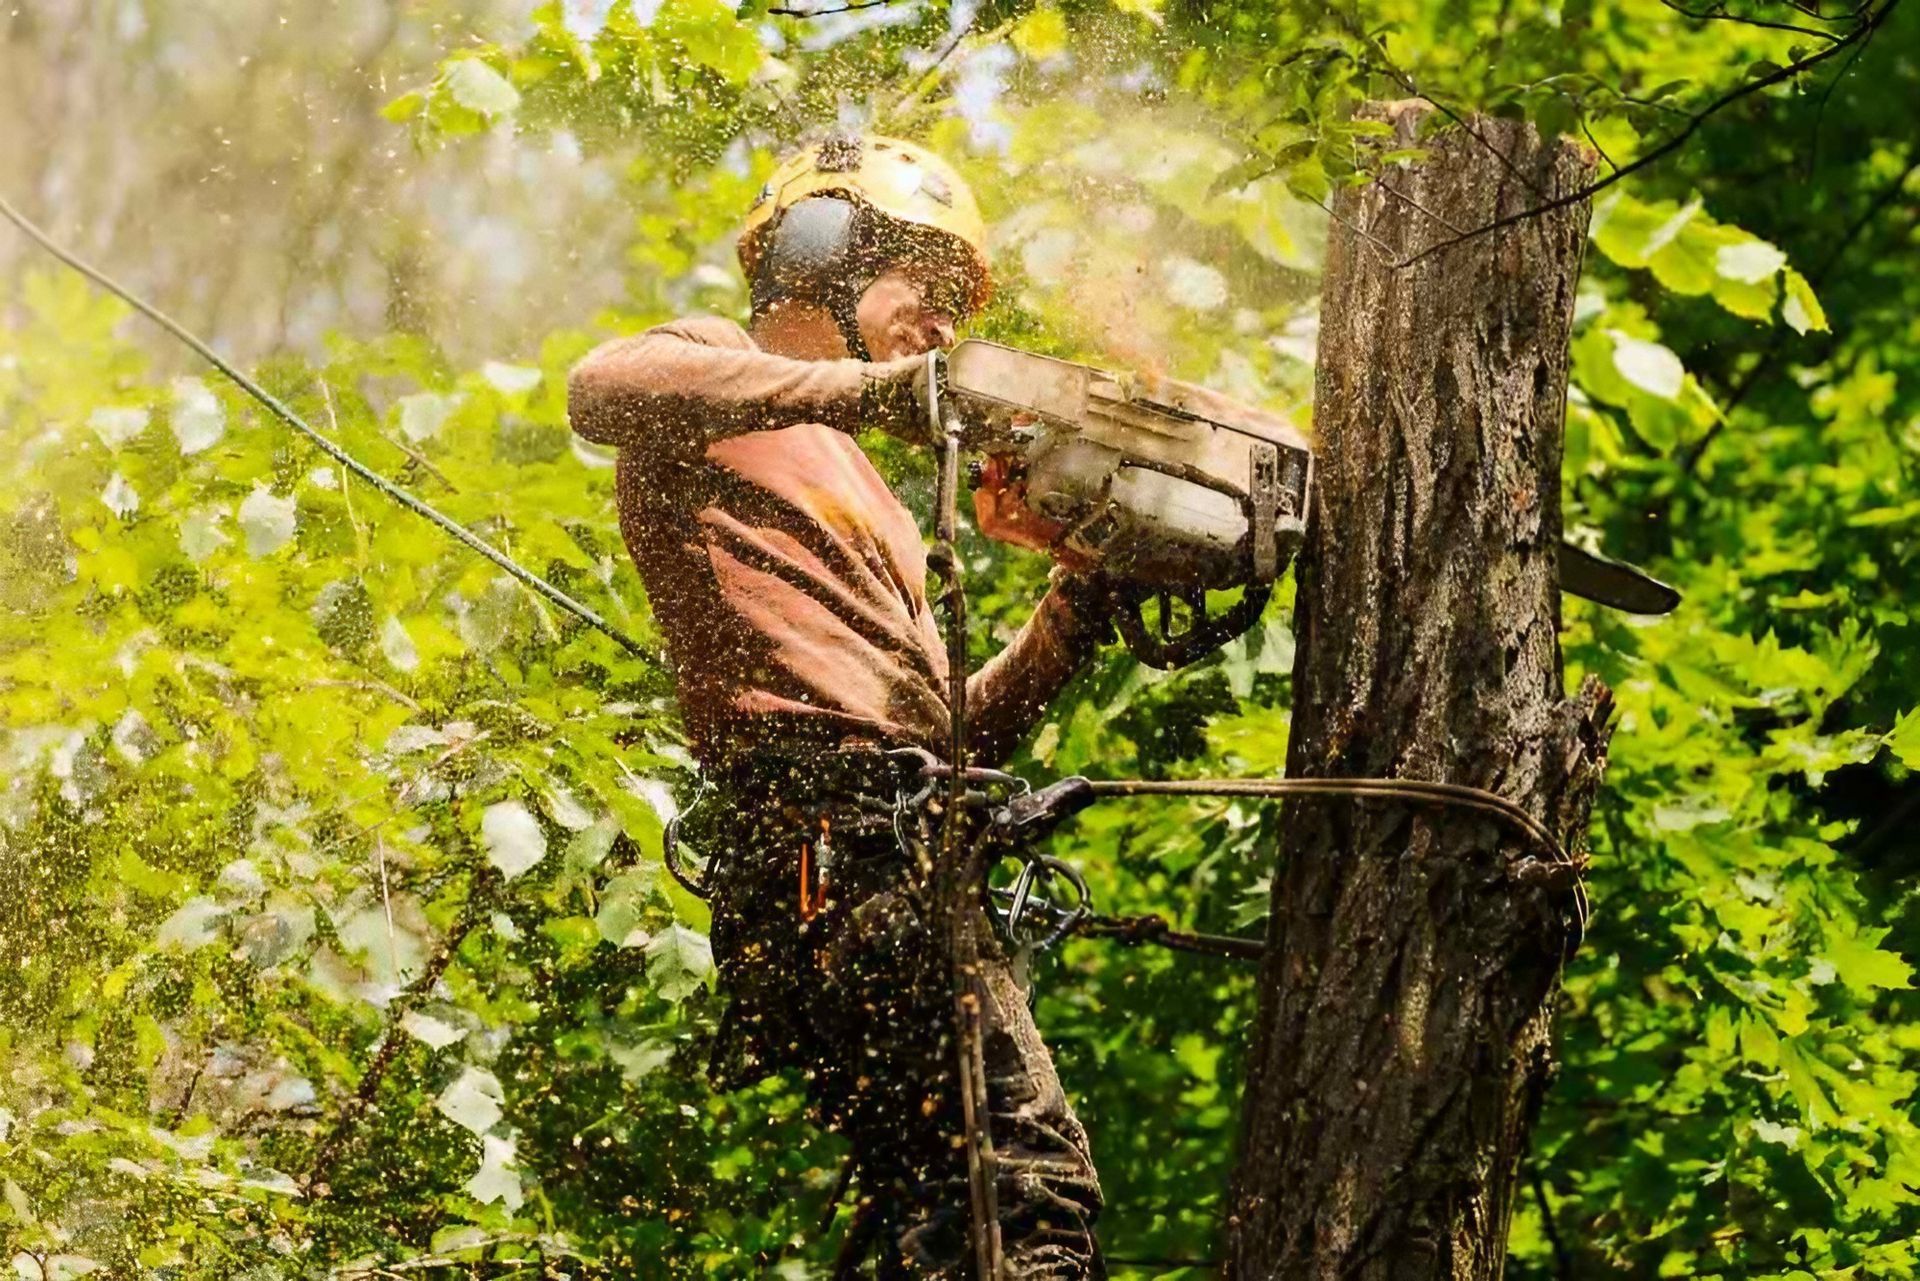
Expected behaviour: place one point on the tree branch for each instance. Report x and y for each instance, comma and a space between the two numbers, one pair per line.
852, 7
1690, 457
479, 901
1867, 27
1562, 1264
1721, 15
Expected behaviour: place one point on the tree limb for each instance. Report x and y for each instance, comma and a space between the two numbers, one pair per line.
1690, 457
853, 7
479, 901
1721, 15
1678, 139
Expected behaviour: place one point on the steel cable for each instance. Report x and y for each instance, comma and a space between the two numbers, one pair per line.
286, 415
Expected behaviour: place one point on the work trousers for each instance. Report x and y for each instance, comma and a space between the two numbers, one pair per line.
860, 998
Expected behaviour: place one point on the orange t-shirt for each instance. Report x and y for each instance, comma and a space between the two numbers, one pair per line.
788, 580
790, 583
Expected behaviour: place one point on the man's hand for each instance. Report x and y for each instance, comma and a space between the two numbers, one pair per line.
893, 399
1089, 597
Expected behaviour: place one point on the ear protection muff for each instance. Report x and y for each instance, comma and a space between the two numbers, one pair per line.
820, 252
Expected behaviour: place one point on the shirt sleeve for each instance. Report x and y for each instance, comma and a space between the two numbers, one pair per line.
1007, 695
682, 386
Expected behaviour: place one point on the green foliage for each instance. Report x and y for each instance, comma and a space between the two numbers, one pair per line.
336, 935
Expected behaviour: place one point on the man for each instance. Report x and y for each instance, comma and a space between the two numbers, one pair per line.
791, 586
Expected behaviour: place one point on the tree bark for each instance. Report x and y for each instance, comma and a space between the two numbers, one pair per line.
1414, 953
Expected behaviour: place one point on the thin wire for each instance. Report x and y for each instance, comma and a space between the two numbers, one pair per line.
284, 414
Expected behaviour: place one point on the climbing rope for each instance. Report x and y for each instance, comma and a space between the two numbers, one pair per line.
279, 410
961, 864
1023, 814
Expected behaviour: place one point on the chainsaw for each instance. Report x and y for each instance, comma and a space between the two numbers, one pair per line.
1176, 493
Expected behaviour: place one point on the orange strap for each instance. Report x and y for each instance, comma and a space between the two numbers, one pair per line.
813, 886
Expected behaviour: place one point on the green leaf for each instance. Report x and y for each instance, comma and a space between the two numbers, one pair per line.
713, 37
478, 87
1863, 965
1690, 253
1749, 261
590, 847
406, 107
1903, 740
622, 908
1307, 181
1876, 517
1041, 35
1649, 366
638, 1060
679, 962
1802, 311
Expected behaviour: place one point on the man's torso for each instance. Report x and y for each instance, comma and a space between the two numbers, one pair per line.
790, 584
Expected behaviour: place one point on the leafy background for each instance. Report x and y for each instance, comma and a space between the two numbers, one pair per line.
334, 939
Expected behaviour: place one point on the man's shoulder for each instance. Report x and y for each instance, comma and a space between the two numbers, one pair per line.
707, 330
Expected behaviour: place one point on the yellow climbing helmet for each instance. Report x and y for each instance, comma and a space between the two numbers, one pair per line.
920, 200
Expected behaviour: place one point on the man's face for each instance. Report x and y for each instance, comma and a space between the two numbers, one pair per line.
896, 318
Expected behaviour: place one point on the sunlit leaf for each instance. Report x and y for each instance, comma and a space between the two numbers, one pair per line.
1865, 966
513, 380
623, 906
431, 1031
423, 414
396, 646
1802, 311
1749, 261
194, 923
497, 1179
116, 425
679, 962
713, 37
267, 520
200, 533
473, 1100
1041, 35
512, 836
196, 416
405, 107
478, 87
1904, 739
1649, 366
120, 496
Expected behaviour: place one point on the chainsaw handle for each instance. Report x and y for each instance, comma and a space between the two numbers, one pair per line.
1167, 649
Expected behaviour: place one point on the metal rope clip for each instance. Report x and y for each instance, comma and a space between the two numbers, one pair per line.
1038, 922
700, 886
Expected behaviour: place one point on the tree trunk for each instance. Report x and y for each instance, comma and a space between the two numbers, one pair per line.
1414, 953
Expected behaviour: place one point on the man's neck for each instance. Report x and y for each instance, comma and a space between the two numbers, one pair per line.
799, 330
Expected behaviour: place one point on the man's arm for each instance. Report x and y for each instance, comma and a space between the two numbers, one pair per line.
1009, 694
687, 384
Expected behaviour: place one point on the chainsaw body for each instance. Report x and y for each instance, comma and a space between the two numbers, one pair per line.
1175, 492
1171, 490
